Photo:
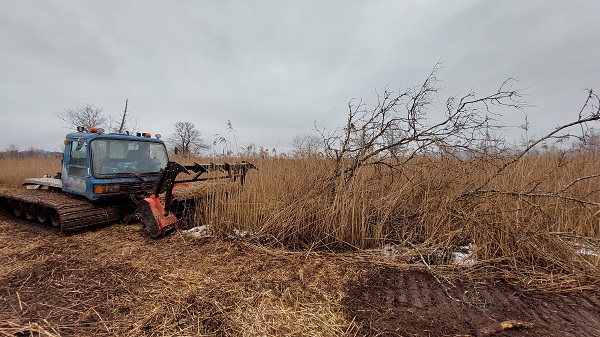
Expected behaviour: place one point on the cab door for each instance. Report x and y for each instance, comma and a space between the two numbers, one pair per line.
76, 173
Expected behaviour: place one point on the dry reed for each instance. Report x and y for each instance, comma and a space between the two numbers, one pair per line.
517, 221
16, 169
539, 217
129, 285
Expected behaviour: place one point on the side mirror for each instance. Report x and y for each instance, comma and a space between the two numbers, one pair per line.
80, 144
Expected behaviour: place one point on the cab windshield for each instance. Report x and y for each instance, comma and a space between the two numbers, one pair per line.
111, 157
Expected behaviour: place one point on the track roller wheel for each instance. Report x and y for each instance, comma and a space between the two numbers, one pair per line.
54, 218
18, 207
42, 214
30, 211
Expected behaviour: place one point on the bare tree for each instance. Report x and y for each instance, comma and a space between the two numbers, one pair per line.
400, 127
307, 145
187, 139
125, 122
12, 150
589, 113
86, 116
123, 119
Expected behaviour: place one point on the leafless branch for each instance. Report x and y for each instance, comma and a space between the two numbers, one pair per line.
398, 127
86, 116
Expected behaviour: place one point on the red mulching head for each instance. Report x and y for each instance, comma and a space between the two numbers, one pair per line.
156, 223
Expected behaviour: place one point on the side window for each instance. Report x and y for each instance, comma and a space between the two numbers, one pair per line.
78, 162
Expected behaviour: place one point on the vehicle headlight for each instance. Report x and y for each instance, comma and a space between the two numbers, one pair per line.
103, 189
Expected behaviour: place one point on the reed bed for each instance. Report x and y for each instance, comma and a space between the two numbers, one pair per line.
286, 249
16, 169
538, 217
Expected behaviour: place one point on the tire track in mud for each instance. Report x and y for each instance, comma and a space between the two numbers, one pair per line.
568, 312
396, 302
384, 302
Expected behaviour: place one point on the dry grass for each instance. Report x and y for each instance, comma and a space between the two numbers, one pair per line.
86, 285
530, 222
15, 170
290, 284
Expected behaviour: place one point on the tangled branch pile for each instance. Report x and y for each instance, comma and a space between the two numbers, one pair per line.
393, 175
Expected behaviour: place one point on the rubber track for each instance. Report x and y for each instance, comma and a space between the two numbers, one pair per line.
74, 213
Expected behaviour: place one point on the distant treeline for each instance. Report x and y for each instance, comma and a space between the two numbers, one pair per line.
31, 152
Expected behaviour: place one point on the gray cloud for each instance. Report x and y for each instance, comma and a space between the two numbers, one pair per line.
274, 67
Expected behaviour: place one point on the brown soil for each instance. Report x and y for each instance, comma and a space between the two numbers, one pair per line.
397, 303
115, 282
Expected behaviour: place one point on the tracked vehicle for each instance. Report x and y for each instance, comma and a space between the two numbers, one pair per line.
105, 177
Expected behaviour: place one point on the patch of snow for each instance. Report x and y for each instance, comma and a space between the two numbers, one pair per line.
465, 255
198, 232
463, 259
205, 231
395, 252
390, 250
587, 251
241, 234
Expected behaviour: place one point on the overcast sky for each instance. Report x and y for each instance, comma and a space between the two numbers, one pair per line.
273, 68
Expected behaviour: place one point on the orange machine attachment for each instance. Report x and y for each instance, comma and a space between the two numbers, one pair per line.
159, 218
154, 218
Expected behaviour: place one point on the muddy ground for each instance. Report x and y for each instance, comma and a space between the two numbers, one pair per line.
113, 281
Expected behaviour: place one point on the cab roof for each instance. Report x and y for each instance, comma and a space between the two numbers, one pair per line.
144, 137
